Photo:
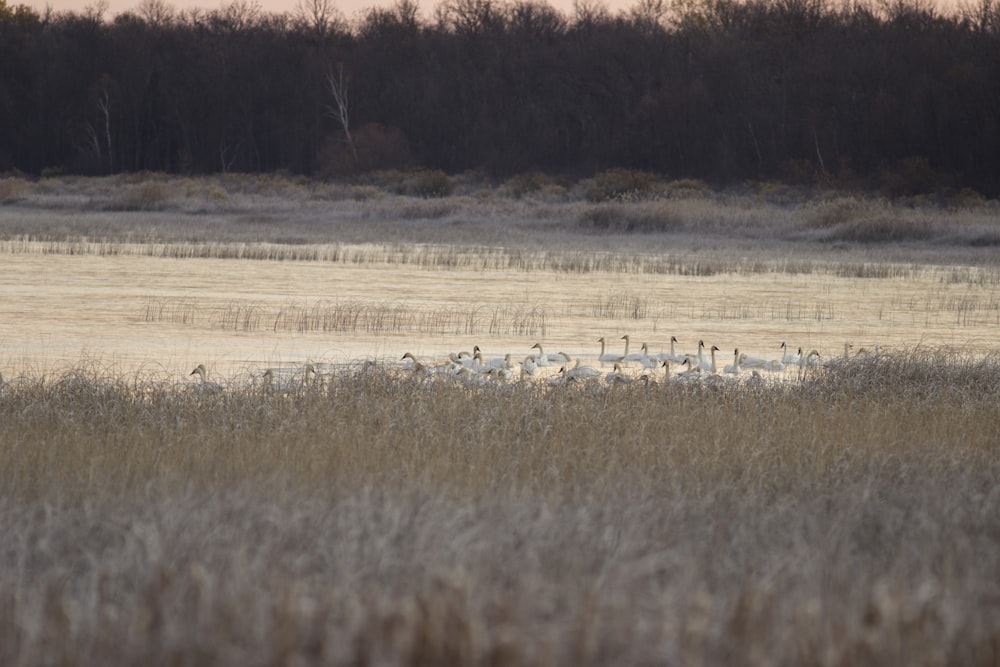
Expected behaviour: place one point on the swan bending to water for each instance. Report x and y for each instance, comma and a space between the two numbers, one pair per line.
650, 381
691, 372
205, 386
617, 376
579, 372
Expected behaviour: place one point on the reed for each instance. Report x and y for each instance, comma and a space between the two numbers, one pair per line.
351, 316
850, 518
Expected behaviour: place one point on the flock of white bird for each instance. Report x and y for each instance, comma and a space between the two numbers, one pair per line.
559, 368
617, 368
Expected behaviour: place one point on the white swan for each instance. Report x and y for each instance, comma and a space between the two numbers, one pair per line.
642, 357
749, 361
417, 367
634, 356
543, 359
650, 381
579, 372
494, 362
808, 362
606, 357
204, 386
290, 384
712, 368
463, 358
700, 360
734, 368
691, 372
672, 355
617, 376
529, 367
788, 358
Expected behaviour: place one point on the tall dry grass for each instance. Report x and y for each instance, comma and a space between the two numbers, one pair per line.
382, 518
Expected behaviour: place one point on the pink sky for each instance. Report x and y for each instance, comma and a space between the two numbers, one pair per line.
350, 8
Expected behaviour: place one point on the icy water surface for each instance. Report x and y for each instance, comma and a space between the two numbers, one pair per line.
164, 315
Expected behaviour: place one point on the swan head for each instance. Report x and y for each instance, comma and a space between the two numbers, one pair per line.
701, 344
715, 348
601, 340
673, 339
409, 355
625, 337
199, 370
537, 346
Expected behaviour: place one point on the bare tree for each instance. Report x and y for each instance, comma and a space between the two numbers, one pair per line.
341, 108
99, 138
156, 12
320, 15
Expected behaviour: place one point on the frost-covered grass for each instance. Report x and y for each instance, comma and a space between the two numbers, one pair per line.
380, 517
283, 218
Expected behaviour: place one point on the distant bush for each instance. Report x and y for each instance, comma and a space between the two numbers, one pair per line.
12, 189
618, 184
912, 176
428, 184
686, 187
146, 196
882, 229
528, 183
657, 217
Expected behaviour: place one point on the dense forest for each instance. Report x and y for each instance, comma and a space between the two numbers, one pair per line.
891, 93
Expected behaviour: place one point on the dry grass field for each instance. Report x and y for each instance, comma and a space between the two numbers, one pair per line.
844, 515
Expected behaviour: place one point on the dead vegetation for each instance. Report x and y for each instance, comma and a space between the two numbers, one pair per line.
377, 517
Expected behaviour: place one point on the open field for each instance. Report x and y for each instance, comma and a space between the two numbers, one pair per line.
377, 516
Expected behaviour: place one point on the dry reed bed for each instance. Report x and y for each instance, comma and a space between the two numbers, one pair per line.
496, 258
353, 316
384, 519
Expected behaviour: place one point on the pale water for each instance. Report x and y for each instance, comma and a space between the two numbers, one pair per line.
58, 311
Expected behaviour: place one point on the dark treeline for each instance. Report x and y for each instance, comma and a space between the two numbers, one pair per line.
722, 90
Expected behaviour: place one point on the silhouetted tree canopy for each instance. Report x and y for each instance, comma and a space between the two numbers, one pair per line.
886, 93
